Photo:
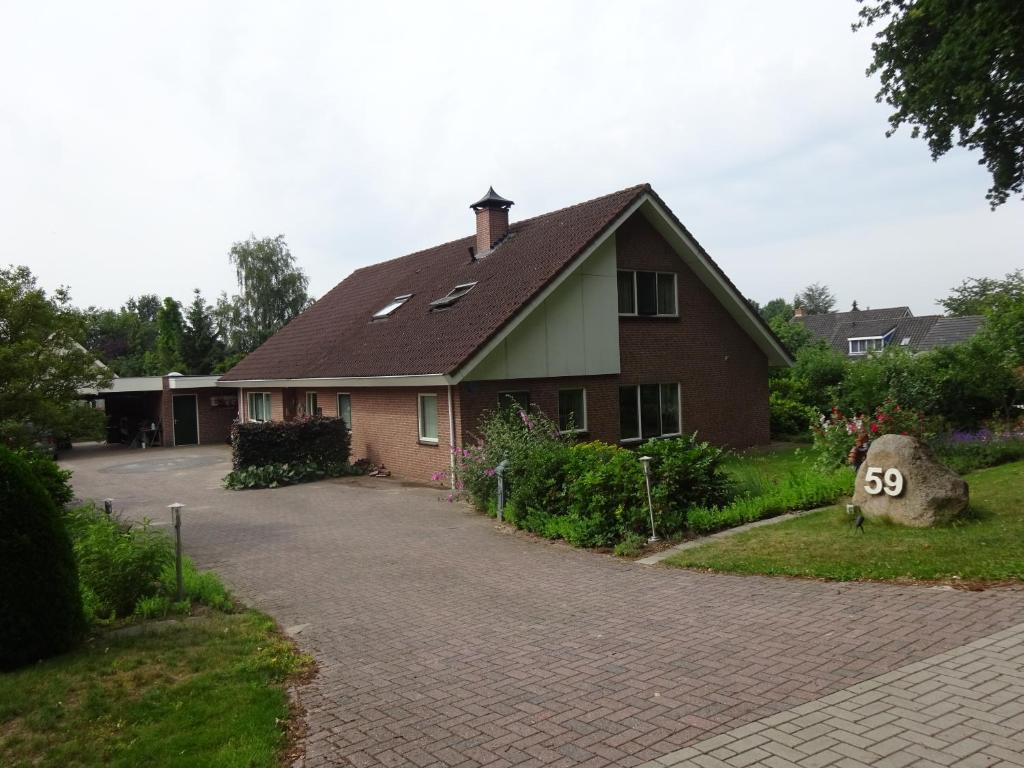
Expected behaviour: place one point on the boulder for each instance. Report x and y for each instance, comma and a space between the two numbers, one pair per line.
931, 492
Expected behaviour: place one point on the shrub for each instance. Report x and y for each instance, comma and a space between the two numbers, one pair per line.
603, 493
789, 417
309, 440
799, 490
968, 451
632, 545
835, 436
118, 562
40, 605
276, 475
203, 587
55, 480
685, 472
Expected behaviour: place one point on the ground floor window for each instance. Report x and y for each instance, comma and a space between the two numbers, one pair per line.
517, 400
345, 410
259, 406
648, 410
428, 418
311, 408
572, 410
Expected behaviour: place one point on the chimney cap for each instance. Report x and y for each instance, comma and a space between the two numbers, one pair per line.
492, 200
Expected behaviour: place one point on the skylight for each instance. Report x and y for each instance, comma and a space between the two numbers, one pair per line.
453, 296
391, 306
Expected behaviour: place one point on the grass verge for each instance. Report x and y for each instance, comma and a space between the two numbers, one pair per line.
208, 690
983, 546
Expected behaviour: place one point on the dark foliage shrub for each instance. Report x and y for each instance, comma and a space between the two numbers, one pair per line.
685, 472
55, 480
40, 606
310, 440
118, 562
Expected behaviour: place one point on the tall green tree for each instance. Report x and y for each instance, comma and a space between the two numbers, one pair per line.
976, 295
170, 333
272, 290
954, 71
200, 345
43, 363
777, 309
815, 299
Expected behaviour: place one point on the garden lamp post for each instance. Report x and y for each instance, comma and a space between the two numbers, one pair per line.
499, 471
176, 508
646, 462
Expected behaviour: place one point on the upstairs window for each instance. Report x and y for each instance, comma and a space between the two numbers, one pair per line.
647, 294
391, 306
863, 346
453, 296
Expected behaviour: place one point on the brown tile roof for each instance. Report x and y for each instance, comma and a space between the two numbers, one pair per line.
336, 338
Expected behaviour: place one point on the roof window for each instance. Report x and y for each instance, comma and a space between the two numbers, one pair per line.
391, 306
453, 296
905, 341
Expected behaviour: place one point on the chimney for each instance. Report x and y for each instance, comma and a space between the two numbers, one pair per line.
491, 221
799, 312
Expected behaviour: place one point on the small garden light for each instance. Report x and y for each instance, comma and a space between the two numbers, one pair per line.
646, 462
176, 508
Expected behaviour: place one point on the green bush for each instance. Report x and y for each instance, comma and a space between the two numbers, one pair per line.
685, 472
789, 417
315, 440
203, 587
55, 480
632, 545
118, 562
276, 475
967, 456
603, 494
798, 490
40, 605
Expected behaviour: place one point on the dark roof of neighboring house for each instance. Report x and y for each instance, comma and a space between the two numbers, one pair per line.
336, 337
951, 330
923, 333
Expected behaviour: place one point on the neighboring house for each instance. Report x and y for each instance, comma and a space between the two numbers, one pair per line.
860, 331
607, 315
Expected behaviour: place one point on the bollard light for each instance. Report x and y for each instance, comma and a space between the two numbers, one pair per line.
646, 462
499, 471
176, 508
108, 506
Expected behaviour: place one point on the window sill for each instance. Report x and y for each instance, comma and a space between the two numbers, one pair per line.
648, 317
427, 441
572, 431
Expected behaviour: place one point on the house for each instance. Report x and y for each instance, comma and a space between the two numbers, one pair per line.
860, 331
608, 315
169, 410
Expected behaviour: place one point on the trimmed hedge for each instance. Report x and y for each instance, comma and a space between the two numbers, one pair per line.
40, 607
310, 440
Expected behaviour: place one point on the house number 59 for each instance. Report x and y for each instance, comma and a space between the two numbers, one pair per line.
890, 481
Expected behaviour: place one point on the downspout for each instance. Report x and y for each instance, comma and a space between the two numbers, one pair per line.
451, 434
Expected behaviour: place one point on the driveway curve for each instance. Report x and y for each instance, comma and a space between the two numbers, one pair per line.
443, 639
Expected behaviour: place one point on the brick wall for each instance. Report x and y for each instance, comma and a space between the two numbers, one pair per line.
215, 420
722, 373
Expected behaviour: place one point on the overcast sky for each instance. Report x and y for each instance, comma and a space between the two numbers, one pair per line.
138, 141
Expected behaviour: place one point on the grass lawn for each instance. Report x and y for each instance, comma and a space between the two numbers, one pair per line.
755, 469
986, 545
206, 691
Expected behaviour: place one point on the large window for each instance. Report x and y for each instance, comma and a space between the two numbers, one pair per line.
649, 410
428, 418
345, 410
863, 346
259, 406
647, 294
572, 410
311, 407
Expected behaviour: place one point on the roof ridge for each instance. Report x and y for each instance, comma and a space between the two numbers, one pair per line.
471, 238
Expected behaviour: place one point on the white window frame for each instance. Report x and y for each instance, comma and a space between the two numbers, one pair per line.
337, 401
636, 296
311, 408
639, 414
391, 307
580, 428
454, 295
269, 406
867, 347
419, 418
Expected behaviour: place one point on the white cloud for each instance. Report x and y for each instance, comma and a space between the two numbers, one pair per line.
138, 142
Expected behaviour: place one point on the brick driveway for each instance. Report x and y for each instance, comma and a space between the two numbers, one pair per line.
444, 640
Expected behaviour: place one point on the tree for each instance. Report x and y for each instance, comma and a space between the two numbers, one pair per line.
815, 299
170, 332
954, 71
201, 347
977, 294
777, 308
43, 364
272, 290
794, 336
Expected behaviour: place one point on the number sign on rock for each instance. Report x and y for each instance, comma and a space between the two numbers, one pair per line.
901, 479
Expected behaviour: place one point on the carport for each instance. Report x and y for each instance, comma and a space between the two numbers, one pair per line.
168, 410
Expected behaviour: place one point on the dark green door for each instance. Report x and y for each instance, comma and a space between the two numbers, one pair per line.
186, 428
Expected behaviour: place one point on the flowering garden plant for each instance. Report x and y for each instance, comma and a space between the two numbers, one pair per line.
837, 433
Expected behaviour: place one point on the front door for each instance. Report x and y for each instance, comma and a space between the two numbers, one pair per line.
186, 426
